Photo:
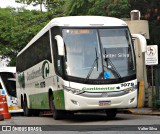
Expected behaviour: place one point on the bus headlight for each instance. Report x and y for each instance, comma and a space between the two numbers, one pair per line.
73, 90
131, 89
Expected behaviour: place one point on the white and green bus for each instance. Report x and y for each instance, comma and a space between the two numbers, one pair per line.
78, 63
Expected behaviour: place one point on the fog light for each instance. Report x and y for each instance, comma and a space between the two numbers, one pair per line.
131, 100
75, 102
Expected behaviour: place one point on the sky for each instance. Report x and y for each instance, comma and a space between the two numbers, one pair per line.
12, 3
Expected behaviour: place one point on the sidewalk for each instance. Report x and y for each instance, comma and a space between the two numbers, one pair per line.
143, 111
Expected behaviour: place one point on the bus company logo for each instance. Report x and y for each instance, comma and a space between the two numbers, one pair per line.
21, 80
34, 74
40, 72
45, 69
99, 88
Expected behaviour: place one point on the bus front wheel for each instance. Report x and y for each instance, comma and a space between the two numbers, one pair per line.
56, 113
111, 113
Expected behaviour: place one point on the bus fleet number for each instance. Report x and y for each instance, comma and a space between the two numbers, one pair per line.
127, 84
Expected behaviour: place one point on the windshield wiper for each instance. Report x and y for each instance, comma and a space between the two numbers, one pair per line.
113, 68
95, 62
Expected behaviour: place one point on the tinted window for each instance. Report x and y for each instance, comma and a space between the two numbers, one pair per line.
36, 53
9, 83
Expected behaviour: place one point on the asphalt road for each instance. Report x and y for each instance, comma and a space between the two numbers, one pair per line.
88, 123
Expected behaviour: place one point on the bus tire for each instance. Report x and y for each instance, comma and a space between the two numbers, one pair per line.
111, 113
56, 113
27, 111
22, 102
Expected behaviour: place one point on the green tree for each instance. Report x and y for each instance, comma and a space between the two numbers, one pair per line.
17, 28
78, 7
119, 8
7, 23
99, 7
56, 7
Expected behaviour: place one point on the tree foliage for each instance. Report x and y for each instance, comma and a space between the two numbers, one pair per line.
17, 28
78, 7
98, 7
119, 8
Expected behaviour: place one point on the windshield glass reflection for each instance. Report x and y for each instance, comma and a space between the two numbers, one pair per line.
98, 53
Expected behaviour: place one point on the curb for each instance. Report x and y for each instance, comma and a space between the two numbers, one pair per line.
141, 112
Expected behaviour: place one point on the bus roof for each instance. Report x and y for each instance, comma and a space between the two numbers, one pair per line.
8, 69
77, 21
86, 21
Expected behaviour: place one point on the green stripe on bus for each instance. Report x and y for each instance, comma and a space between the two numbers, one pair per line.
39, 101
59, 99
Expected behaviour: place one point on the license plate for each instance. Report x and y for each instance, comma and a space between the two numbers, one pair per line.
104, 103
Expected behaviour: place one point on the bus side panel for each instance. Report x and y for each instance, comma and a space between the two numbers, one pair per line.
34, 83
39, 101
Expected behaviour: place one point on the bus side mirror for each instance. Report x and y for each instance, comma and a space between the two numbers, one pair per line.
142, 41
60, 44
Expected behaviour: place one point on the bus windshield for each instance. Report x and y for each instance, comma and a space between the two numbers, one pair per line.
98, 53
